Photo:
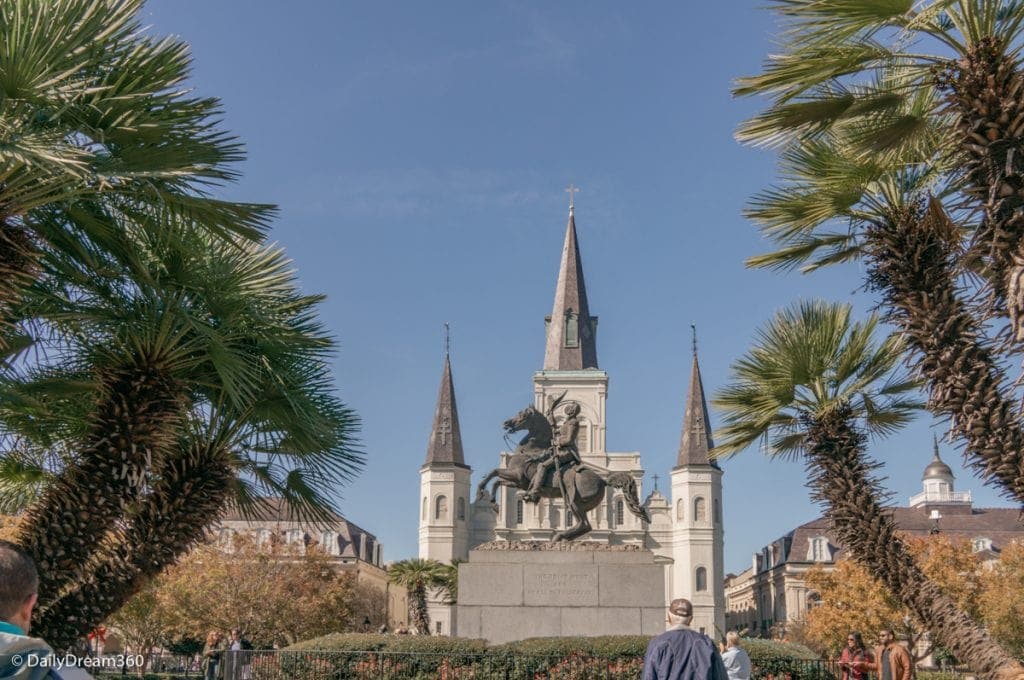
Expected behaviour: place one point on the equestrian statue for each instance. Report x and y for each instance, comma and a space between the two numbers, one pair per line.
546, 464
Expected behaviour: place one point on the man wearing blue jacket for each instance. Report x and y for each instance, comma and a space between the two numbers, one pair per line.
23, 657
680, 653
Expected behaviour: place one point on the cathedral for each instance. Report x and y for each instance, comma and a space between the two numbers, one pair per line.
685, 532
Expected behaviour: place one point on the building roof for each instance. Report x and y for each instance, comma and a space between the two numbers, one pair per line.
445, 444
272, 511
1000, 525
570, 300
937, 469
695, 441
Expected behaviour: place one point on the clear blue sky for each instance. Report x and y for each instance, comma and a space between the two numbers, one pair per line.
419, 153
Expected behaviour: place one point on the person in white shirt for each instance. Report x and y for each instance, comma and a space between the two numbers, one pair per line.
736, 660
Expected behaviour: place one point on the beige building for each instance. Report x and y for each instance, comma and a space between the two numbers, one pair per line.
685, 533
352, 549
772, 591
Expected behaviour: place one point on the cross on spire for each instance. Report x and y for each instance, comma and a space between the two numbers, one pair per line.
693, 331
655, 482
447, 339
571, 190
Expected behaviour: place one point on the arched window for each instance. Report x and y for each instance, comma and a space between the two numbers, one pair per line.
620, 513
441, 507
716, 511
556, 518
700, 510
519, 512
680, 508
572, 330
424, 507
702, 579
461, 508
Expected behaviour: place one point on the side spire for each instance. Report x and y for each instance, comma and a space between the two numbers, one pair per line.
445, 445
571, 331
695, 442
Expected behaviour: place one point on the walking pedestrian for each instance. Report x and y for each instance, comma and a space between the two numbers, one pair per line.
892, 660
213, 656
680, 653
735, 658
855, 659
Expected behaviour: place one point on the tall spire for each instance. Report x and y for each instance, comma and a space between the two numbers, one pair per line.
445, 446
571, 342
695, 442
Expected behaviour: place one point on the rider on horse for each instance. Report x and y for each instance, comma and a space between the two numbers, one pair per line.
562, 454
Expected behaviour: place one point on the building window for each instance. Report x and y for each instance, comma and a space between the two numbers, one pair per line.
461, 508
819, 549
441, 509
716, 512
702, 579
620, 513
581, 437
569, 519
519, 512
981, 543
572, 330
700, 510
813, 600
680, 508
556, 518
438, 627
327, 542
424, 507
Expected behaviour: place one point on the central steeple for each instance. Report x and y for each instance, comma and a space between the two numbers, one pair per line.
695, 442
571, 331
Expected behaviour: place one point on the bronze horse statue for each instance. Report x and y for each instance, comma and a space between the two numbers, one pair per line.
584, 487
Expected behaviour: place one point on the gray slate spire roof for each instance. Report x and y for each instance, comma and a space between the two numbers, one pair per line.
695, 442
445, 446
570, 310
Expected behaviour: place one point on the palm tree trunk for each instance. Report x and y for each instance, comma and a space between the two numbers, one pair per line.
186, 494
418, 605
986, 92
135, 423
18, 257
842, 479
912, 264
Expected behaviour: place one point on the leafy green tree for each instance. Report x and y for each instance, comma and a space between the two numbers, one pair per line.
418, 576
816, 384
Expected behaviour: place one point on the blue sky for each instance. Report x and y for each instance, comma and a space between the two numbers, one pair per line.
419, 154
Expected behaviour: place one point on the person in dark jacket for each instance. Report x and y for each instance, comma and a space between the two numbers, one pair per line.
680, 653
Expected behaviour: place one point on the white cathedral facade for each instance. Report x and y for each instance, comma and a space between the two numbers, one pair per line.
685, 532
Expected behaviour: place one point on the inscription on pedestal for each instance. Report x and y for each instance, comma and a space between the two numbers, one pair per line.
572, 585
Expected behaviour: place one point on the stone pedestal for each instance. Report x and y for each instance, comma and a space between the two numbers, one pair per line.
511, 591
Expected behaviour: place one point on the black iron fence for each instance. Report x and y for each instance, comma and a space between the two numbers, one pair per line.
348, 665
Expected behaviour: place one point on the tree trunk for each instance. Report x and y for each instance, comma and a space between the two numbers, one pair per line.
187, 493
912, 264
418, 604
135, 423
842, 479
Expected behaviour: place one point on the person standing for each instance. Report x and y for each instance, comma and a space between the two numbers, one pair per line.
680, 653
213, 657
735, 658
892, 660
855, 659
20, 655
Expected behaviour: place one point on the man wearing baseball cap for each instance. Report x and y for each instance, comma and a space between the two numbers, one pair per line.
680, 653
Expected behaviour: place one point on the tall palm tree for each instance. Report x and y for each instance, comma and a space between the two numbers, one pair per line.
898, 74
815, 384
417, 575
94, 108
244, 347
876, 105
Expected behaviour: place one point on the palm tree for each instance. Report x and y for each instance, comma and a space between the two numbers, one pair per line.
249, 359
94, 109
417, 575
448, 587
896, 122
815, 384
900, 76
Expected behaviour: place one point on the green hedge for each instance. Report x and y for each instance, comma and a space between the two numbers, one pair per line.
618, 657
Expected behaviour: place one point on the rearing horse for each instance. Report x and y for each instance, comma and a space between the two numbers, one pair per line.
584, 487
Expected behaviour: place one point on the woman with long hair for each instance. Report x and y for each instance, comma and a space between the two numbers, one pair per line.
855, 658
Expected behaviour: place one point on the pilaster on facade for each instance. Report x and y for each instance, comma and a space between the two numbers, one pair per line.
589, 389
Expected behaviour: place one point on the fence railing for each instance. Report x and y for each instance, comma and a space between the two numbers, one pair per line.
373, 665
